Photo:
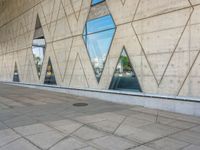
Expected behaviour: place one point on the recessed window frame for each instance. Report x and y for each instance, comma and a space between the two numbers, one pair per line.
52, 71
139, 89
96, 3
84, 36
35, 46
16, 70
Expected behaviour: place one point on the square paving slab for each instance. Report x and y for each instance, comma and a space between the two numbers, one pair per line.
32, 119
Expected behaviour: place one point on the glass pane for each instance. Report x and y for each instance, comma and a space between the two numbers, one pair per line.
96, 1
124, 77
98, 46
98, 36
100, 24
39, 42
50, 76
38, 54
38, 46
16, 74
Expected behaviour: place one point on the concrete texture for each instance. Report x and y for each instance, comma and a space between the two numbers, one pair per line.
44, 120
160, 37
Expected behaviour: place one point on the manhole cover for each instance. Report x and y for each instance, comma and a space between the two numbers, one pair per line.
80, 104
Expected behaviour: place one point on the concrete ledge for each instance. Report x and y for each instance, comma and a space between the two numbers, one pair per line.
184, 105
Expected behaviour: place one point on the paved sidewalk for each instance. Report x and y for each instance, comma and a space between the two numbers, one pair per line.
33, 119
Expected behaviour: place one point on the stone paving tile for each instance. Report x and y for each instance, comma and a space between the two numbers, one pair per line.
65, 126
45, 140
88, 148
106, 125
10, 103
142, 136
167, 144
87, 133
3, 106
112, 117
129, 126
127, 112
20, 121
181, 124
145, 116
164, 120
169, 114
160, 129
70, 143
74, 115
99, 126
2, 126
189, 118
192, 147
32, 129
134, 122
188, 136
7, 136
20, 144
144, 110
61, 123
196, 129
112, 143
49, 117
30, 102
181, 117
8, 114
101, 117
90, 118
142, 148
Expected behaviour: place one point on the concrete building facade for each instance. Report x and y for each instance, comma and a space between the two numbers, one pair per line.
161, 39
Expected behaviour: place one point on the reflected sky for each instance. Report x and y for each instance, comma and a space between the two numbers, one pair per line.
96, 1
38, 52
99, 44
39, 42
99, 24
98, 35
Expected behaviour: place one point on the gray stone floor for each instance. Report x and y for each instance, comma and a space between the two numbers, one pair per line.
33, 119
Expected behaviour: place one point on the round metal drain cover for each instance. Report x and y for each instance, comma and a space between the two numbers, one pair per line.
80, 104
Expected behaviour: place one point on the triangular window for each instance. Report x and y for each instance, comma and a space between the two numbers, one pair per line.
50, 76
94, 2
38, 46
16, 74
124, 76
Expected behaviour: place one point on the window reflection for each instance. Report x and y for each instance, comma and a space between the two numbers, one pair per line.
124, 76
98, 35
96, 1
99, 24
16, 74
38, 50
38, 46
50, 76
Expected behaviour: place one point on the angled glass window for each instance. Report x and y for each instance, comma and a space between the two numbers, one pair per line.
124, 77
99, 24
50, 76
98, 35
94, 2
38, 46
16, 74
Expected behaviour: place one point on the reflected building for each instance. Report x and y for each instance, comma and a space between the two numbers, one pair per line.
50, 76
125, 47
38, 46
16, 74
124, 78
98, 35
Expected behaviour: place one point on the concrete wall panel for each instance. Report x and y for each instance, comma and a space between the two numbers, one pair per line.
161, 38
